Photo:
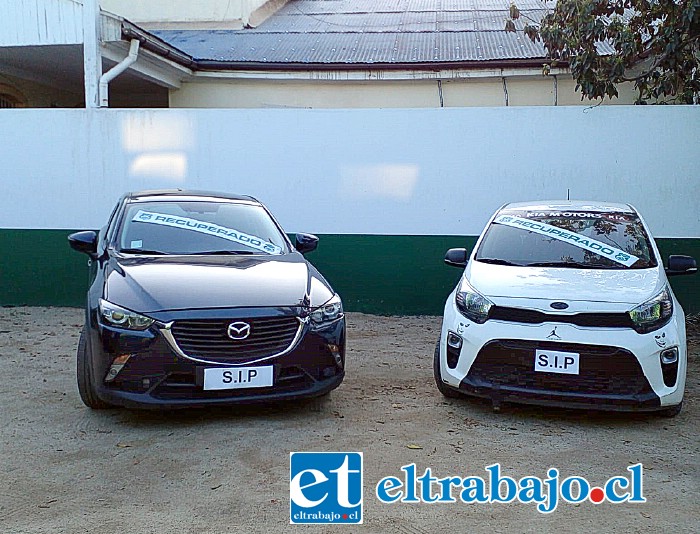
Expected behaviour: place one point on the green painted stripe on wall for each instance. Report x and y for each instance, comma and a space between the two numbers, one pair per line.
374, 274
686, 287
390, 275
38, 268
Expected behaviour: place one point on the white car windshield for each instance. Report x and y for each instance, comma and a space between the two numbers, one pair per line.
595, 240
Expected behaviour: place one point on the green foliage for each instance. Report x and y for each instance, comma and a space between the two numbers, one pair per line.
656, 45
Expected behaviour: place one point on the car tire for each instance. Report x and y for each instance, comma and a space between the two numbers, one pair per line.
672, 411
86, 386
446, 391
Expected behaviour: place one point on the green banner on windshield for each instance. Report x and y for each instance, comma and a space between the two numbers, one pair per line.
578, 240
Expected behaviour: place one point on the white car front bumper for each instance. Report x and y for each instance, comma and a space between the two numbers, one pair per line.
620, 369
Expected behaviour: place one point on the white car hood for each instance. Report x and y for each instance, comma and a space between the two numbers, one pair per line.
608, 288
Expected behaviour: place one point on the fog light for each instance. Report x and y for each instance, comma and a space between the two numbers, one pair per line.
669, 356
335, 351
117, 365
669, 366
454, 340
454, 347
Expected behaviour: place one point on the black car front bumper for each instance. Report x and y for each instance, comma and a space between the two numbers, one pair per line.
156, 377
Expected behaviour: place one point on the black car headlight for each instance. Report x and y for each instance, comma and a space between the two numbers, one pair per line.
652, 314
114, 315
472, 304
328, 312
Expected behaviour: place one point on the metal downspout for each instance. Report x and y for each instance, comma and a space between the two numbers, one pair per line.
116, 71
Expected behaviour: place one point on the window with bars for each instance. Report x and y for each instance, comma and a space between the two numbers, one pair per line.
11, 97
6, 101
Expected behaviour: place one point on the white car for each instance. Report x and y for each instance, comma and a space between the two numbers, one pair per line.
565, 304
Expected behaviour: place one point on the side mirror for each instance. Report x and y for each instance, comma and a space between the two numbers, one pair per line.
681, 265
306, 243
457, 257
85, 242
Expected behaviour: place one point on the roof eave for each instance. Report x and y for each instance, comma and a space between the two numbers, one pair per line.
218, 65
161, 48
154, 44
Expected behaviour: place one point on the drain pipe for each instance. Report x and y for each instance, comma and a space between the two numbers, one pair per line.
116, 71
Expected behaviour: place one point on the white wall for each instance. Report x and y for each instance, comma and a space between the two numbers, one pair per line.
164, 11
391, 171
40, 22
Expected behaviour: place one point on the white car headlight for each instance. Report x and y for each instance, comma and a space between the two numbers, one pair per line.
330, 311
472, 304
652, 314
121, 317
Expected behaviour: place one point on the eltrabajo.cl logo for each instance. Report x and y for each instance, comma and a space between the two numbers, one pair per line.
499, 488
325, 487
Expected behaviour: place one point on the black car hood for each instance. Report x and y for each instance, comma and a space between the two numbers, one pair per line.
153, 284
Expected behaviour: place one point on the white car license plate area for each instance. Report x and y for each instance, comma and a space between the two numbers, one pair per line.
238, 377
550, 361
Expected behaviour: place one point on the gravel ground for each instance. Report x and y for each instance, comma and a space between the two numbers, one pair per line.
68, 469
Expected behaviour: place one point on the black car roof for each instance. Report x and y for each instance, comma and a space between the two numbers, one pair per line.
186, 193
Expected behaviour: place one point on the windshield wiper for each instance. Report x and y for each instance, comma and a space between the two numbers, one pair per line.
222, 252
498, 261
143, 251
578, 264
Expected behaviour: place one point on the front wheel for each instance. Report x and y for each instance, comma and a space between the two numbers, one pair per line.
86, 386
446, 391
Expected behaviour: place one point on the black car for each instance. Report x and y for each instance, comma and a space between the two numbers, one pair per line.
200, 298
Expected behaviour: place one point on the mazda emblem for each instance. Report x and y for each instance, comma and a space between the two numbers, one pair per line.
238, 330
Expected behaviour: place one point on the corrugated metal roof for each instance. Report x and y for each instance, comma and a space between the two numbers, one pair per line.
361, 32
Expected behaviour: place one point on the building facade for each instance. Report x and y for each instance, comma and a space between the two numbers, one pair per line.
280, 54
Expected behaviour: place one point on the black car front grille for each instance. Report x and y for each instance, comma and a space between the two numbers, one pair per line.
522, 315
602, 370
208, 339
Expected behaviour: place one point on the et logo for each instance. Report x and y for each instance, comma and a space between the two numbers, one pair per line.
325, 487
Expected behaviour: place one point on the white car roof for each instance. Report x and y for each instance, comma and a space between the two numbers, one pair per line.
570, 205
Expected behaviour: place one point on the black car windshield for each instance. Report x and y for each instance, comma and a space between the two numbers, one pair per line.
589, 239
198, 227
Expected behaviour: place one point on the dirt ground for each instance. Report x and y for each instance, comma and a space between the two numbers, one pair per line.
68, 469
